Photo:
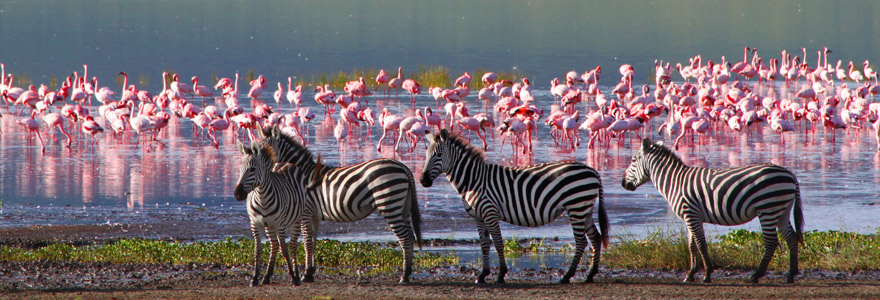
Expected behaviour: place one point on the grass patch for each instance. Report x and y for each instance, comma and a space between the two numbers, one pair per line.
330, 253
742, 249
515, 248
426, 76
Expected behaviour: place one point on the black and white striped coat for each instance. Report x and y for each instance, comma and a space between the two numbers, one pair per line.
723, 196
275, 207
351, 193
528, 196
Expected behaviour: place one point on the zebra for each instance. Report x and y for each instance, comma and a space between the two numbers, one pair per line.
273, 205
351, 193
731, 196
527, 196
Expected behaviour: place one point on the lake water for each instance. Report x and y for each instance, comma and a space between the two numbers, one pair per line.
191, 182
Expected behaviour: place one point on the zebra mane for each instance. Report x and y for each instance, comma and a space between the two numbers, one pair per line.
462, 143
660, 150
287, 149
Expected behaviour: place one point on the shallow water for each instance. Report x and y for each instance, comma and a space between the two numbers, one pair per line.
183, 179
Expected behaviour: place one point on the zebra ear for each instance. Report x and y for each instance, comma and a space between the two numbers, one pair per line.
242, 149
658, 143
444, 133
265, 131
646, 143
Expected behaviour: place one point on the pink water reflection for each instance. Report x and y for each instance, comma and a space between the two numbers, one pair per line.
183, 169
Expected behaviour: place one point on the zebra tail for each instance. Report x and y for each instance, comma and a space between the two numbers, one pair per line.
798, 217
415, 214
603, 219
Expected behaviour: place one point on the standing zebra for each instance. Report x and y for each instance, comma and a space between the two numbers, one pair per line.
351, 193
528, 196
273, 205
723, 196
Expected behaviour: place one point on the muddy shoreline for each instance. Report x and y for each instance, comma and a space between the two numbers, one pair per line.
54, 279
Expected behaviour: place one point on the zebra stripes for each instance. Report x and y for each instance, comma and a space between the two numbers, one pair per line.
726, 197
351, 193
273, 205
527, 196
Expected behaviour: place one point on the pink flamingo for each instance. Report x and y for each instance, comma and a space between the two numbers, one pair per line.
389, 122
413, 88
294, 95
395, 83
349, 115
326, 97
31, 125
180, 87
855, 75
381, 79
201, 90
55, 119
463, 80
340, 131
418, 130
489, 78
432, 119
92, 128
472, 124
367, 116
278, 94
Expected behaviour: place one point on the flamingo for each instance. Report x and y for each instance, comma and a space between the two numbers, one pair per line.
389, 122
201, 90
340, 131
413, 88
92, 128
489, 78
31, 125
381, 79
278, 94
855, 75
472, 124
395, 83
463, 80
294, 96
180, 87
55, 119
432, 119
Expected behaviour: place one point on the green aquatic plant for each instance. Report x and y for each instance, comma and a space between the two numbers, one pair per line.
739, 249
330, 253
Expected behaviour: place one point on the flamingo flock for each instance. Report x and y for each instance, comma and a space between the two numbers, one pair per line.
692, 101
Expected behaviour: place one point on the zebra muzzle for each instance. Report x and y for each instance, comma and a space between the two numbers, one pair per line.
239, 193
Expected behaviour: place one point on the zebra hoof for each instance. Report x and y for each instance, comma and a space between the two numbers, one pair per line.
403, 280
565, 280
500, 281
296, 282
589, 280
689, 279
707, 280
255, 282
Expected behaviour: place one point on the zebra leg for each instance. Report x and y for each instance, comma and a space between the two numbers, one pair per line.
695, 225
310, 233
771, 241
485, 244
596, 242
274, 236
692, 250
580, 243
791, 239
292, 267
405, 237
258, 249
495, 232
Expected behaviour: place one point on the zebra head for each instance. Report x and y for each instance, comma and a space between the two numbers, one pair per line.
434, 158
637, 172
255, 167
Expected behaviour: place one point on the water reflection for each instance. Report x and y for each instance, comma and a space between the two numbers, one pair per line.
839, 177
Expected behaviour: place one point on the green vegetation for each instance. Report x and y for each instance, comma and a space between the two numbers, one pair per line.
741, 249
426, 76
330, 253
514, 247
